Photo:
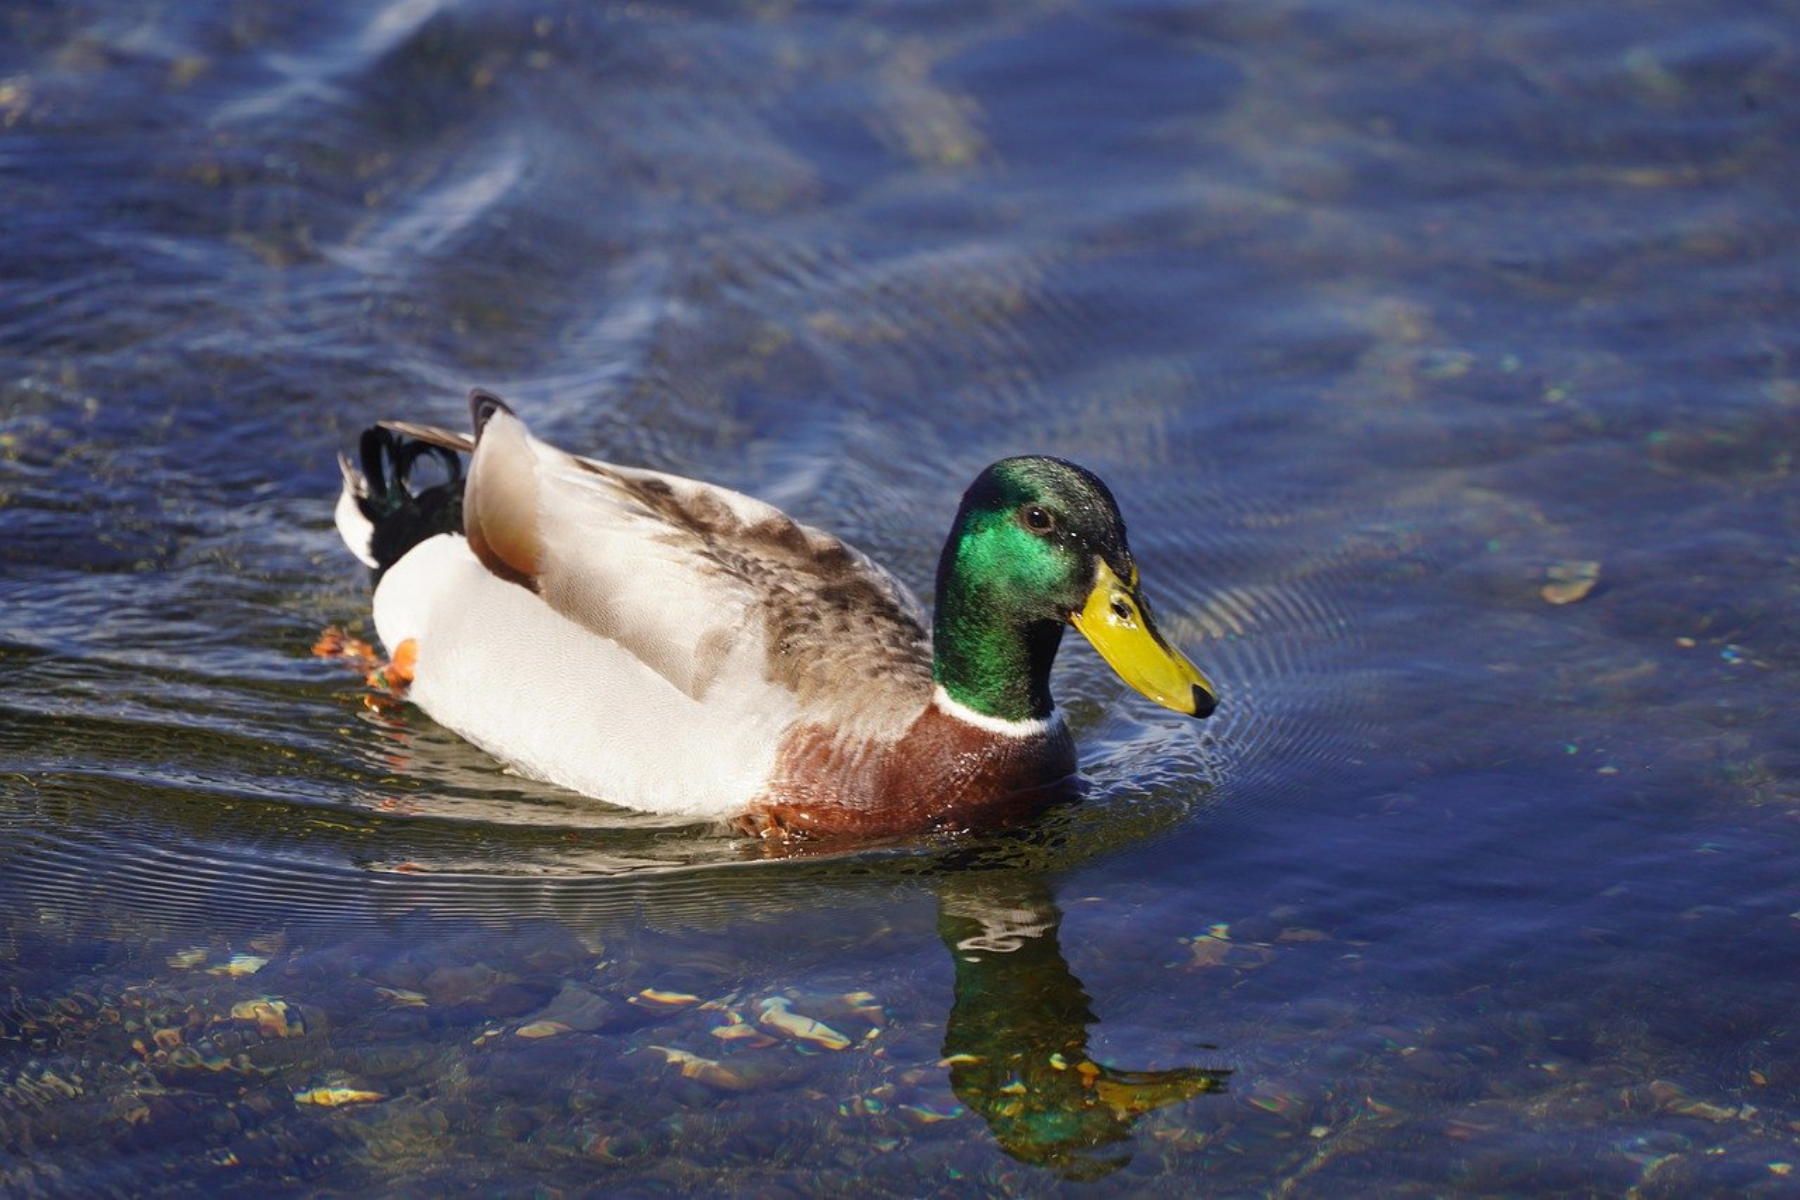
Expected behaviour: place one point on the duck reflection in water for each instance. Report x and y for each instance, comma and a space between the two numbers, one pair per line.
1017, 1039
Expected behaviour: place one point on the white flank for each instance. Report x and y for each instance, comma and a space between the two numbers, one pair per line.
1031, 727
559, 703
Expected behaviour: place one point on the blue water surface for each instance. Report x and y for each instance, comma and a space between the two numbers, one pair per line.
1443, 358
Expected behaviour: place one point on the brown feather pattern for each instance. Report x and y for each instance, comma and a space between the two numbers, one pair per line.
834, 626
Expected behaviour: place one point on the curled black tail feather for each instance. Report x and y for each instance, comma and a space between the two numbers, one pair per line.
403, 517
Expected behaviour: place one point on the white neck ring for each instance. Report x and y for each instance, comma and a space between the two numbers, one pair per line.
1028, 728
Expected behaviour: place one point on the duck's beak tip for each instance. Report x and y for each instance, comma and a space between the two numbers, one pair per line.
1204, 703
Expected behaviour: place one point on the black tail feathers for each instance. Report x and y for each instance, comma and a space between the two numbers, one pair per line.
403, 514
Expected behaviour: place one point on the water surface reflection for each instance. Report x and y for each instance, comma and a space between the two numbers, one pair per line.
1017, 1037
314, 1017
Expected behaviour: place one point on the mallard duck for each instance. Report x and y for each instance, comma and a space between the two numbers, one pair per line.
671, 646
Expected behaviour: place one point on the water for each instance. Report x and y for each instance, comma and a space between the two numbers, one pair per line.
1372, 315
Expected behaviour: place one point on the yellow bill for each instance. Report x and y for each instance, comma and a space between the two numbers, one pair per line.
1115, 620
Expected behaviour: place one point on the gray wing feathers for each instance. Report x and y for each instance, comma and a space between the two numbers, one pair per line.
683, 574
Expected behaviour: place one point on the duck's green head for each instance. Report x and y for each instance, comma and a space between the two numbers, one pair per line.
1038, 545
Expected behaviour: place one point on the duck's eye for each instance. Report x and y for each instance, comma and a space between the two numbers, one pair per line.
1037, 518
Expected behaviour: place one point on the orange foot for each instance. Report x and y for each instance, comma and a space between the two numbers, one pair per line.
335, 643
398, 671
389, 677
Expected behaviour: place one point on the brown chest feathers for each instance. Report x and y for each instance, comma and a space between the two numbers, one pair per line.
944, 774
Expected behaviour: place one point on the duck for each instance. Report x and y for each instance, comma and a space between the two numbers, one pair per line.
668, 645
